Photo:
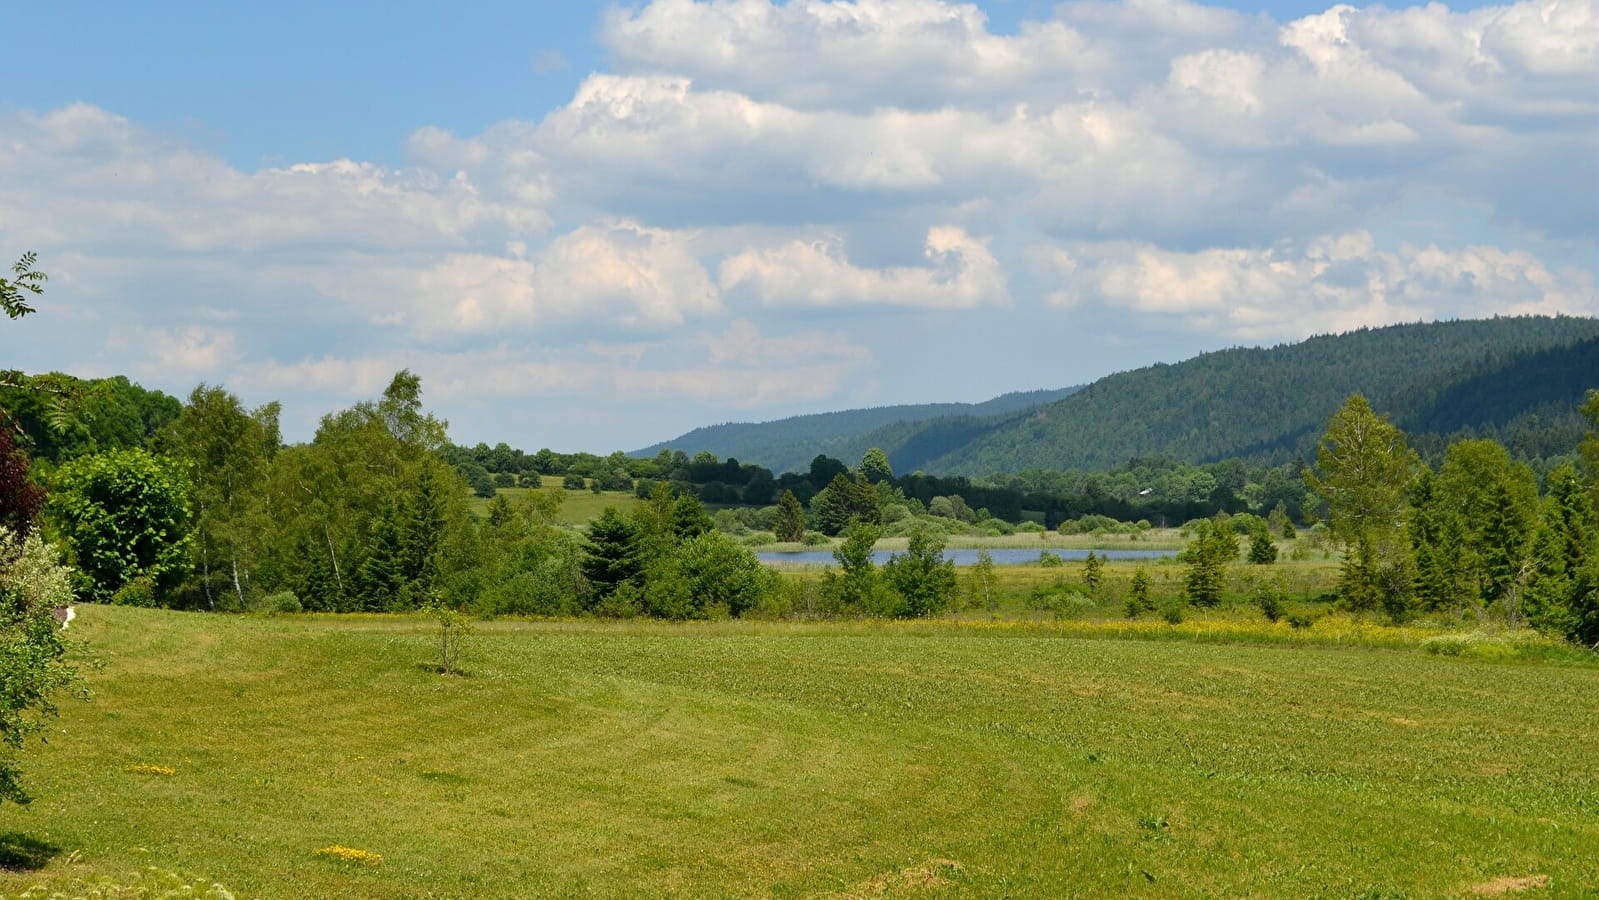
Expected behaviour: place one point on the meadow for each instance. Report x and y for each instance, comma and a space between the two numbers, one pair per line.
856, 759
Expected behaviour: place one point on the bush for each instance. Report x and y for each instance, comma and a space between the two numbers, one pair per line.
138, 592
282, 602
1301, 620
1270, 600
815, 539
1172, 612
574, 482
1050, 560
760, 539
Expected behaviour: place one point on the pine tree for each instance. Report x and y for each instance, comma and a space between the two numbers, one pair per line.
1262, 551
689, 520
1138, 601
790, 518
612, 554
1207, 555
381, 575
1093, 572
1359, 582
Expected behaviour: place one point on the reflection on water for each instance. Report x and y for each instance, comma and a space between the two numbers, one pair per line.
1003, 556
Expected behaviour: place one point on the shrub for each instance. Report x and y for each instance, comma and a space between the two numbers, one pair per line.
1050, 560
138, 592
1172, 612
1270, 600
282, 602
815, 539
760, 539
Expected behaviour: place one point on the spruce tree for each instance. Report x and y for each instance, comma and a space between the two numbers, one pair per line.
1093, 572
381, 575
1262, 550
612, 554
790, 518
1138, 601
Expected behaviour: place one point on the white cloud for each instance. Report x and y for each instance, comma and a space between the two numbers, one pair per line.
1334, 283
195, 351
962, 274
745, 162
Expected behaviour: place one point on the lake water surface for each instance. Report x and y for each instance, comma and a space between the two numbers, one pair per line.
1003, 556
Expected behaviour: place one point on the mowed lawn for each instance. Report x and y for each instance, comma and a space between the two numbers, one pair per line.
739, 759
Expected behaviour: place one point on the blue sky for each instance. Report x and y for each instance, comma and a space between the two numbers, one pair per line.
596, 227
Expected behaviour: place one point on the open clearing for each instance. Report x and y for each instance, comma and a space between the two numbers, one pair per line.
851, 760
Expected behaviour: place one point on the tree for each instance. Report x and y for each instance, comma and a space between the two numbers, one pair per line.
980, 584
922, 580
1262, 550
1366, 470
20, 498
612, 555
24, 277
1279, 523
723, 576
125, 515
1213, 546
1435, 544
1093, 572
842, 501
856, 587
228, 450
875, 467
33, 668
790, 518
1495, 501
1138, 601
381, 576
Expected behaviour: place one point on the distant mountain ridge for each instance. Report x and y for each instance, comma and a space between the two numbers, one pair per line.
1517, 379
785, 445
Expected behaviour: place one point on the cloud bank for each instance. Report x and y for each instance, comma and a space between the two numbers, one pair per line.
761, 208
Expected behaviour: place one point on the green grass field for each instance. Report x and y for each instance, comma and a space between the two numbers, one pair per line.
577, 507
796, 760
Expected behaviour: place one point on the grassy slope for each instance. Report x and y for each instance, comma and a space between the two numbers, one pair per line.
577, 507
739, 759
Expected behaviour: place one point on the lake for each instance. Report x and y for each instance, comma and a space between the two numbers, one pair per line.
965, 556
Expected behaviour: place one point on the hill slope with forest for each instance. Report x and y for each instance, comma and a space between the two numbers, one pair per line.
786, 445
1517, 380
1269, 405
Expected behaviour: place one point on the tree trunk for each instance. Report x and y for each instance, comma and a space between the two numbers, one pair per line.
333, 558
237, 588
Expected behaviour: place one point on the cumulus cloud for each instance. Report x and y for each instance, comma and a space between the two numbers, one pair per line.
745, 162
1333, 283
962, 274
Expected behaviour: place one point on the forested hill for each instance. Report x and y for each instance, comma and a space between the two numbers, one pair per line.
789, 445
1493, 377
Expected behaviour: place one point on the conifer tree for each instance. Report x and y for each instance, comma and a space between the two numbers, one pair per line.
1138, 601
1093, 572
612, 555
1262, 551
790, 518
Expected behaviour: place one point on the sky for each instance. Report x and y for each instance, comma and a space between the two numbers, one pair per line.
592, 227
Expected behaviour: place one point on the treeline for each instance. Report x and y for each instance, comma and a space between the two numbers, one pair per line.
1473, 536
213, 511
1162, 491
